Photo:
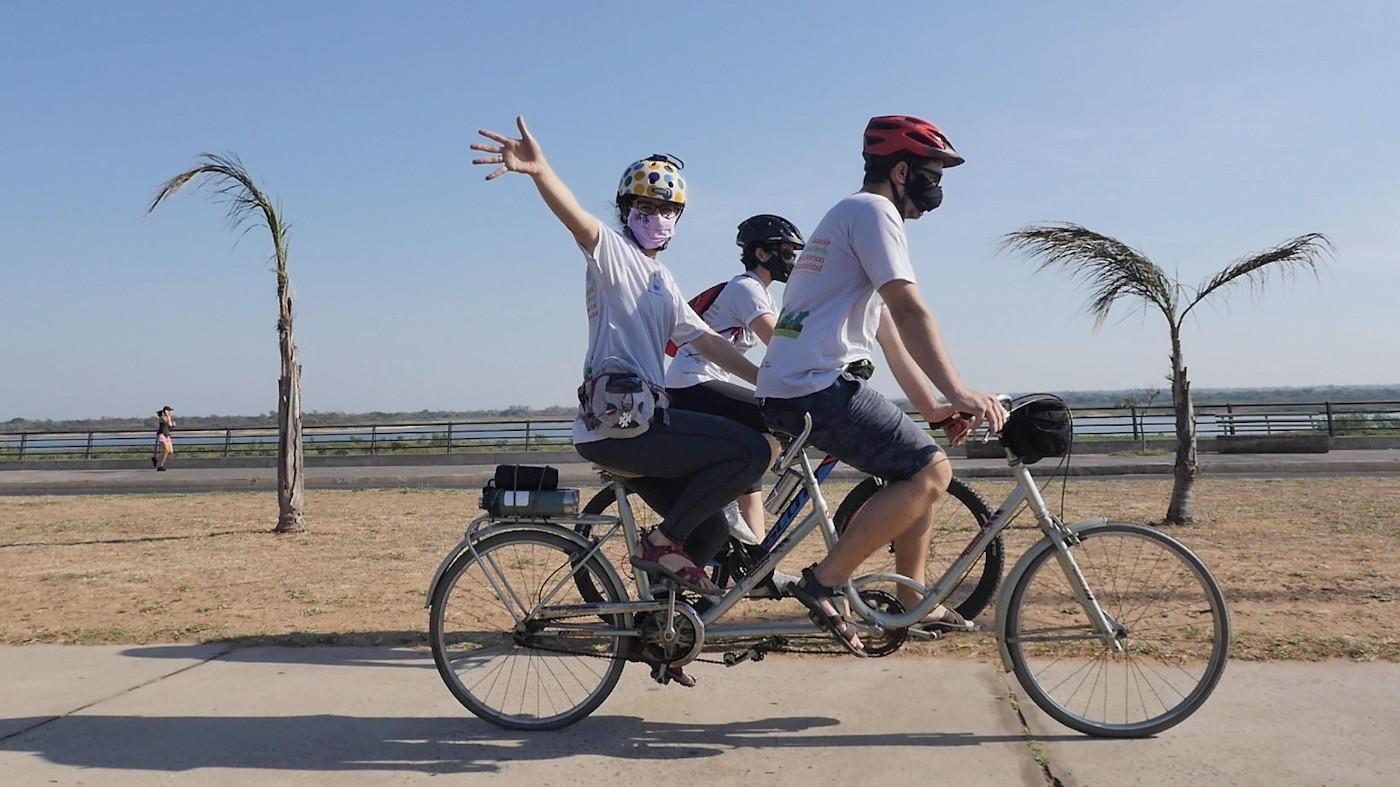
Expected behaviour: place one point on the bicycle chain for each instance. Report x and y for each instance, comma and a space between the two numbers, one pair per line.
753, 645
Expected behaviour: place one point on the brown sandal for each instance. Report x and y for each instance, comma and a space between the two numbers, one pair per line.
689, 577
947, 623
811, 592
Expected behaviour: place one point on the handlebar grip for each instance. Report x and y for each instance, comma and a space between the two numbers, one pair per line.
950, 419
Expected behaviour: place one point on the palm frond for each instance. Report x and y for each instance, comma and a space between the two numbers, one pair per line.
1110, 267
1305, 252
246, 205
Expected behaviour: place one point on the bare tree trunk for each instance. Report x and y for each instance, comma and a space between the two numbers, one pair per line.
1183, 504
290, 461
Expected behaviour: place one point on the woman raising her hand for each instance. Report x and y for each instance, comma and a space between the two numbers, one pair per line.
689, 465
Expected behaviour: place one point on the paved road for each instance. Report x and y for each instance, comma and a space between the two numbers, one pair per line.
202, 714
204, 479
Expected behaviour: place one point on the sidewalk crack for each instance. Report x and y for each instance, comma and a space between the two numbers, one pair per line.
1037, 751
125, 691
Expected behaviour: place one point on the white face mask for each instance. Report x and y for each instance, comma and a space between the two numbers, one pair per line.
650, 232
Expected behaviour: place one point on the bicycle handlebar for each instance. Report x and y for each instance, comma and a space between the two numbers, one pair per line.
1002, 399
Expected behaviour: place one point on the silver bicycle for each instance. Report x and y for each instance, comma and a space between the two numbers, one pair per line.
1113, 629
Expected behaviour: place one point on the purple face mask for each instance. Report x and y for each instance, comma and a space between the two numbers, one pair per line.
650, 232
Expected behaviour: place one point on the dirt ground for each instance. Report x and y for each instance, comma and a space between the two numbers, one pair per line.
1310, 566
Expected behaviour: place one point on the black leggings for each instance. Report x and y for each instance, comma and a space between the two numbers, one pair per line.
690, 469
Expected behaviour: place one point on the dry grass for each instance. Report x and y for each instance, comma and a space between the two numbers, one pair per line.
1310, 565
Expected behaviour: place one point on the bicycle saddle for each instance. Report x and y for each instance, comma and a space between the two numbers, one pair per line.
614, 472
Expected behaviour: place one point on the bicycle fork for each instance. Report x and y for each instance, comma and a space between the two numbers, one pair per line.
1062, 538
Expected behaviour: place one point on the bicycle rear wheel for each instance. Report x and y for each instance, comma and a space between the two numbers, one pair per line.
1170, 619
512, 670
957, 518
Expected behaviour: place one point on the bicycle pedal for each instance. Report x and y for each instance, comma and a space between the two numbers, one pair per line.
924, 634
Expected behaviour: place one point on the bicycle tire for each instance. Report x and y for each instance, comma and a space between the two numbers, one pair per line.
1157, 643
966, 517
529, 554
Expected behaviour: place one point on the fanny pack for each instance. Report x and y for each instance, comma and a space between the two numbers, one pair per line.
618, 402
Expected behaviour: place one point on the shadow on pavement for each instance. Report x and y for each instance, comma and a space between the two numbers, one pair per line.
431, 745
348, 649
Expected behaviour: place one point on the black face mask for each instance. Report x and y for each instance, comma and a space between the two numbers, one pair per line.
777, 265
924, 191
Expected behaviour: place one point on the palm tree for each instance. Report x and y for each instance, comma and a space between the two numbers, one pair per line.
249, 208
1114, 270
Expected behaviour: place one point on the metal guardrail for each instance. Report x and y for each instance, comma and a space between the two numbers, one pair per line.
322, 440
554, 434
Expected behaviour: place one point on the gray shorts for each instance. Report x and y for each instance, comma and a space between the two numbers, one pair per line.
854, 423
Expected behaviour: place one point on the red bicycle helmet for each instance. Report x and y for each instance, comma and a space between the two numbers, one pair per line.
886, 135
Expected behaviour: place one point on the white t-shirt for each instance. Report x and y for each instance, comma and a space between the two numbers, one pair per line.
634, 308
743, 300
831, 310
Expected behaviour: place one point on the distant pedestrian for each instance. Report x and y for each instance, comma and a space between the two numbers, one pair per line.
165, 446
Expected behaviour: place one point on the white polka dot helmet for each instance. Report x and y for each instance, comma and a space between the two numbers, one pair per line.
657, 176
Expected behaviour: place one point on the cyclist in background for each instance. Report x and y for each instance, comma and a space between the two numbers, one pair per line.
740, 309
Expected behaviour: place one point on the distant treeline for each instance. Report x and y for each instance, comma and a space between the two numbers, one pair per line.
1078, 399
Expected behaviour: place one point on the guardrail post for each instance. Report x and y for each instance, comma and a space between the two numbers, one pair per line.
449, 437
1331, 430
1230, 421
22, 439
373, 435
527, 436
87, 452
228, 441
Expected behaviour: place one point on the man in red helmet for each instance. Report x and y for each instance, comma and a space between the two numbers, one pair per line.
853, 287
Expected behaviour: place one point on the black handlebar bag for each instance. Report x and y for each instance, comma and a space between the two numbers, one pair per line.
1038, 429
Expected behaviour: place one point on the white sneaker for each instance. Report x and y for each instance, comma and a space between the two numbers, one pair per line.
738, 528
783, 581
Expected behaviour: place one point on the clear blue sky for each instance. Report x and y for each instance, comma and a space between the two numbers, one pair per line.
1196, 131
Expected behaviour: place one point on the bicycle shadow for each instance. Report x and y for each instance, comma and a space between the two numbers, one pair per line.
399, 649
427, 745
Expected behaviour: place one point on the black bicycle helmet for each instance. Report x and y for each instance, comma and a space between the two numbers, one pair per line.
767, 229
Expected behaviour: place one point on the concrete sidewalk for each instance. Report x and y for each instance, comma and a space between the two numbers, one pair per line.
205, 479
202, 714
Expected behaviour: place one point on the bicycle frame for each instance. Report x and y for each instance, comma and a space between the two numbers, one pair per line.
783, 539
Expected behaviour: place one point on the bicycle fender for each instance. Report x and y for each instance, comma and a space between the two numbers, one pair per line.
1022, 565
503, 527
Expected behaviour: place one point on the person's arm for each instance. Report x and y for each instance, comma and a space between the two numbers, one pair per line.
913, 383
716, 349
907, 373
525, 156
763, 325
919, 334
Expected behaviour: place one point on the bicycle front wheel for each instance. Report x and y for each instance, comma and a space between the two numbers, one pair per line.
506, 666
957, 518
1170, 624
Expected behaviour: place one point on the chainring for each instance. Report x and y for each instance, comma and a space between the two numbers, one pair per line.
891, 640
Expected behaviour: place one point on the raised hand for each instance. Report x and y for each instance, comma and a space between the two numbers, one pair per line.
513, 155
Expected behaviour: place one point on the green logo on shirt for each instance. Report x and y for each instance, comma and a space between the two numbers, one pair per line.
790, 324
